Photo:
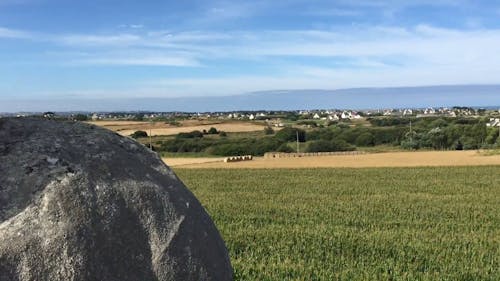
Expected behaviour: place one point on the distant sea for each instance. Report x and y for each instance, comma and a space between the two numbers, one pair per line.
484, 96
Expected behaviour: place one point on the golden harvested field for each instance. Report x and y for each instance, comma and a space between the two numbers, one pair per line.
389, 159
126, 128
181, 162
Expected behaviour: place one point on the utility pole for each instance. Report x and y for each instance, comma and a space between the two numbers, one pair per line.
297, 141
498, 138
411, 136
150, 137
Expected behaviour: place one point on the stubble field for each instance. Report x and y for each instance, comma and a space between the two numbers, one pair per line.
126, 128
387, 159
439, 223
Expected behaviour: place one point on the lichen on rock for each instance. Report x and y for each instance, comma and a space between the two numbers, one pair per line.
78, 202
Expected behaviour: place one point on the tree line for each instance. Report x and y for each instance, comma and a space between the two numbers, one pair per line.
407, 133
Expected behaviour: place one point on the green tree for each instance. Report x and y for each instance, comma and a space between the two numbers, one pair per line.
285, 148
290, 134
139, 117
81, 117
437, 138
492, 136
365, 139
329, 146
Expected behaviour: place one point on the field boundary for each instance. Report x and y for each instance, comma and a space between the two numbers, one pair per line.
270, 155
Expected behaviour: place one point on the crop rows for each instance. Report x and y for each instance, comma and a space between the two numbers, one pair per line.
356, 224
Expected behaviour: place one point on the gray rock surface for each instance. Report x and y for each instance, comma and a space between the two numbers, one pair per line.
78, 202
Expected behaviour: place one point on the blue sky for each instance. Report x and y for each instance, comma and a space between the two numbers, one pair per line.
53, 49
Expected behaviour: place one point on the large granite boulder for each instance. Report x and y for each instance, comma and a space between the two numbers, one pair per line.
78, 202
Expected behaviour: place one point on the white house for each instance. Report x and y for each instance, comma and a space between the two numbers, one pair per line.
408, 112
333, 117
494, 122
346, 115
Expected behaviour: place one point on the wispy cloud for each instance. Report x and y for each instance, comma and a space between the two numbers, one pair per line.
13, 33
423, 43
139, 61
370, 56
100, 40
334, 12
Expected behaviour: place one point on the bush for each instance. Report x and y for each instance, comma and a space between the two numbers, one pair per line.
186, 145
190, 135
365, 139
329, 146
212, 131
285, 148
139, 134
290, 134
231, 149
268, 130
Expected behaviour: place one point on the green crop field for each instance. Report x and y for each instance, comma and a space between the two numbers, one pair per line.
356, 224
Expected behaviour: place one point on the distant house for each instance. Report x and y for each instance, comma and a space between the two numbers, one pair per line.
333, 117
316, 116
49, 114
429, 111
494, 122
251, 117
408, 112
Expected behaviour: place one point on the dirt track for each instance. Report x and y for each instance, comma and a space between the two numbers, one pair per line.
390, 159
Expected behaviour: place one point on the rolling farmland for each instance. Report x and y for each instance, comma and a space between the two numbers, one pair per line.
439, 223
126, 128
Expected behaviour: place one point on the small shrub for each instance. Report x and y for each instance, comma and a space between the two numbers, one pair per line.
139, 134
212, 131
268, 130
190, 135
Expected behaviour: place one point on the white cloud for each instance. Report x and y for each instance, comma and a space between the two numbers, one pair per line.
361, 56
100, 40
12, 33
126, 57
334, 12
140, 61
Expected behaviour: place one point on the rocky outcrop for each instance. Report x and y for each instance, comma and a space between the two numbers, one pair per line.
78, 202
